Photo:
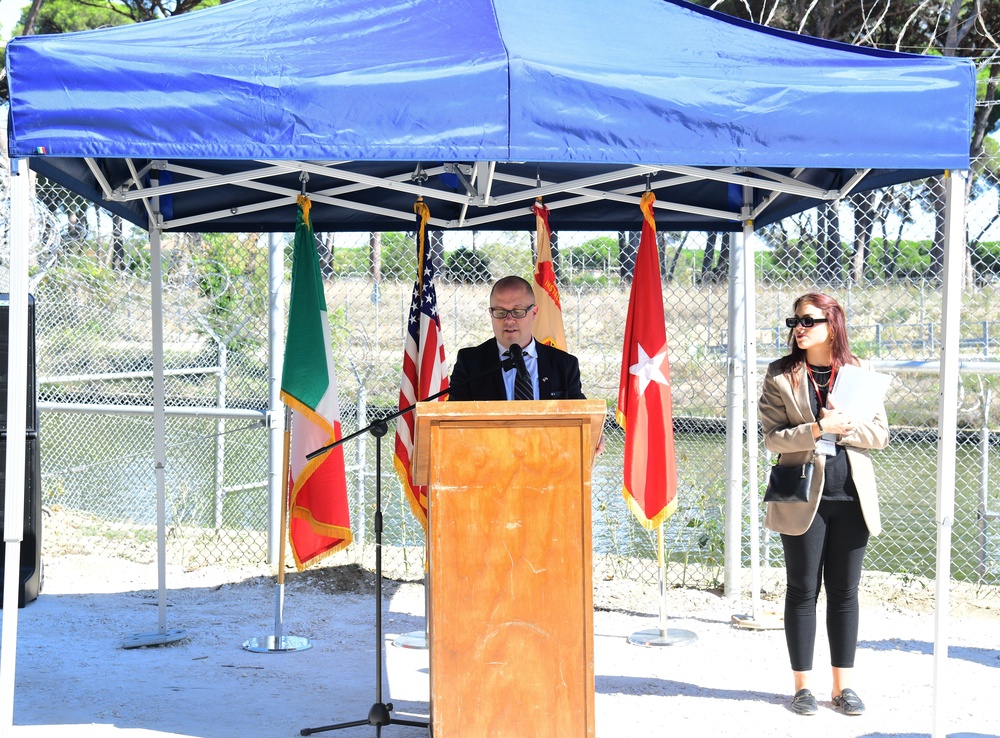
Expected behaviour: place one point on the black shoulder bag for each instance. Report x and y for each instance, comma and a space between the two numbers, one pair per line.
789, 483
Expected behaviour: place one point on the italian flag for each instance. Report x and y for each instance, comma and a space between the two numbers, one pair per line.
319, 521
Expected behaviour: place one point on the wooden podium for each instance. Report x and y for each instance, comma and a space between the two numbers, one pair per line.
510, 598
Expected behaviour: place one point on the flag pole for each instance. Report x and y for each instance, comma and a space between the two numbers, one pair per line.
423, 343
280, 643
662, 568
662, 635
645, 412
418, 638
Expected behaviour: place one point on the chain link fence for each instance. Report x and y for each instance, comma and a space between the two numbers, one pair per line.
875, 253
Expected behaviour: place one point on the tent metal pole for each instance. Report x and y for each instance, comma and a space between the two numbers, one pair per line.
275, 435
734, 421
756, 619
159, 423
951, 307
17, 387
161, 635
750, 382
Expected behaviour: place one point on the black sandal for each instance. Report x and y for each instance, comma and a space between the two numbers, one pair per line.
804, 703
849, 703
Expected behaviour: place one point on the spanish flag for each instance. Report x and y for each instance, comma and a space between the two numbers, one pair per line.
548, 327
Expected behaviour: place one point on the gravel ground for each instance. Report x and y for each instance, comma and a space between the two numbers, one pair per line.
75, 678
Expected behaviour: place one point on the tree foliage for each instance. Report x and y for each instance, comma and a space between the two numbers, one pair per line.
64, 16
465, 265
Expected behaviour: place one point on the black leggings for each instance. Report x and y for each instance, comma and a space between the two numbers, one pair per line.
831, 551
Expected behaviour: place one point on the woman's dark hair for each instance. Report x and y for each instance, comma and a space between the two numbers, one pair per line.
837, 327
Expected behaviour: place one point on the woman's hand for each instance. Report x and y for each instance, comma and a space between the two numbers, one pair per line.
836, 421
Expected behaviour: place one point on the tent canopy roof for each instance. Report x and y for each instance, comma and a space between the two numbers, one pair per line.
479, 106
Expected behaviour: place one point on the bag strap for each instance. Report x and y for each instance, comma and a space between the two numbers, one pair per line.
811, 462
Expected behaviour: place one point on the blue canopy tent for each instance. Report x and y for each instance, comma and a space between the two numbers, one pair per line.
493, 101
207, 121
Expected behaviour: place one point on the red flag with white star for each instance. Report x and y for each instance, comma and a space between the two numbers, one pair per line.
645, 408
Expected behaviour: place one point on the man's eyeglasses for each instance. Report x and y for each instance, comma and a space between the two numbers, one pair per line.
806, 321
516, 313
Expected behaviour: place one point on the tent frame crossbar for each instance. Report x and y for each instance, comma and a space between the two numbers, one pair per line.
477, 180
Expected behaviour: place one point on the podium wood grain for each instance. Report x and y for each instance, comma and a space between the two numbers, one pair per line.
510, 595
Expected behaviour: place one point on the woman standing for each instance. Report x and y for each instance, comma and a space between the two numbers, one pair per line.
824, 540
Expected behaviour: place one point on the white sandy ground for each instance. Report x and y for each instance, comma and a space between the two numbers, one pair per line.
74, 678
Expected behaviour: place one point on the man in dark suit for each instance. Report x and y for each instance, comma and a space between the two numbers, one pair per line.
479, 372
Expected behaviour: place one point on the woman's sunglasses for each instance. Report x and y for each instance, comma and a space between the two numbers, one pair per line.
806, 321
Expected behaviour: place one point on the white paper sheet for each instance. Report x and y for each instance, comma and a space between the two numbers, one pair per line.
859, 391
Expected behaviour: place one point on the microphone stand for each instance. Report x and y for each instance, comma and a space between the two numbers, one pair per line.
379, 714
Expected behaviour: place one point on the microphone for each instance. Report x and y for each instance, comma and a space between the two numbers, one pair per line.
516, 354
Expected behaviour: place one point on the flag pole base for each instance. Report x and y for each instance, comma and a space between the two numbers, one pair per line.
763, 621
277, 644
658, 637
416, 639
158, 638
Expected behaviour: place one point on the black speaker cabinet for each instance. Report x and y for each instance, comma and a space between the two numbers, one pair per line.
31, 543
31, 416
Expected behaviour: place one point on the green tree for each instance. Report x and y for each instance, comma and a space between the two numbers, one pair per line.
232, 277
65, 16
465, 265
596, 253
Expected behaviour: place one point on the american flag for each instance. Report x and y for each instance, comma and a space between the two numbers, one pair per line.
423, 364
